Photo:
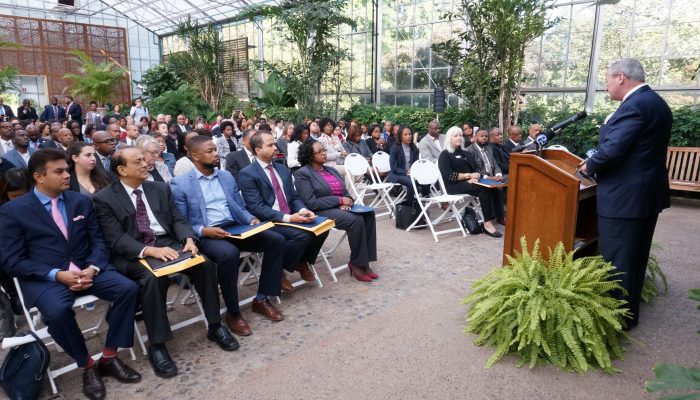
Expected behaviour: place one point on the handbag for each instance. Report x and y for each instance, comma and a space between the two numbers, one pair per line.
406, 213
470, 222
24, 369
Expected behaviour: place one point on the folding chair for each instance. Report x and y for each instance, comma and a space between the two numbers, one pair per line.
325, 254
33, 318
356, 165
381, 165
424, 172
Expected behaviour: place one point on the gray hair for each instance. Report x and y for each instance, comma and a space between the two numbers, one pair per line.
454, 131
629, 67
144, 141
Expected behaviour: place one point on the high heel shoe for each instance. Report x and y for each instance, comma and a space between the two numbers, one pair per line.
371, 273
358, 273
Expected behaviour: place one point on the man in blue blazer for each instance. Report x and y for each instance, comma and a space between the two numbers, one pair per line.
53, 245
21, 153
630, 167
53, 112
269, 194
208, 198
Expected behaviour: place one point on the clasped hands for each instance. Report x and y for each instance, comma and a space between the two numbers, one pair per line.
76, 280
347, 203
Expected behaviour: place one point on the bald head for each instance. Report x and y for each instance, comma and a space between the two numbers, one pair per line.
32, 132
534, 130
65, 137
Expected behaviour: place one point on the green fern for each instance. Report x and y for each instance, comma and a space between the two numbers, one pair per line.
654, 278
555, 310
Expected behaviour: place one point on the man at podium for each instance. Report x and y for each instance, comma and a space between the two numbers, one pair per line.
630, 166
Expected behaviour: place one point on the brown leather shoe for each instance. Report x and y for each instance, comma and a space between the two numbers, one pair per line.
115, 368
267, 310
238, 325
285, 285
305, 272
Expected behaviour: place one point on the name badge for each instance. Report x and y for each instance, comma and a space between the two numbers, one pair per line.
458, 156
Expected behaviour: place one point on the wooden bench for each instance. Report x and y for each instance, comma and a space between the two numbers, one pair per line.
682, 165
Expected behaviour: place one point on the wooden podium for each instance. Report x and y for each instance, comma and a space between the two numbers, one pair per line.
549, 201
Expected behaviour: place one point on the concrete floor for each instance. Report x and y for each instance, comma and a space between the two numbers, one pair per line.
401, 337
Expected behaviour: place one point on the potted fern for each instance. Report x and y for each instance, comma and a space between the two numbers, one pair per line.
95, 81
556, 310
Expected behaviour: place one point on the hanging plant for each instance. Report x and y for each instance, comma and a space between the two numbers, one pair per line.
555, 310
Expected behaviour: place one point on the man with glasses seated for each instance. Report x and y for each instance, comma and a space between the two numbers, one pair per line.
105, 145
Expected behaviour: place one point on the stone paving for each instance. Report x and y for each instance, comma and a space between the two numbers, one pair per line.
401, 336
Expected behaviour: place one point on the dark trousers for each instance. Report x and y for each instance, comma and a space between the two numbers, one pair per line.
56, 307
626, 242
227, 256
154, 291
299, 246
362, 233
8, 284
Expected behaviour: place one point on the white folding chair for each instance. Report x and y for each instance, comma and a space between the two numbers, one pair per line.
381, 165
424, 172
33, 318
356, 165
325, 254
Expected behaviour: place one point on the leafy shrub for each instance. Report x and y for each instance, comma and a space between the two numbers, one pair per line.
654, 278
183, 100
557, 311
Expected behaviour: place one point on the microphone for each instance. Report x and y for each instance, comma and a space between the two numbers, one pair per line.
543, 138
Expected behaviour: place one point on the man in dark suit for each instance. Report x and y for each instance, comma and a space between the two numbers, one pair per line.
630, 167
182, 128
237, 160
514, 138
139, 219
52, 244
488, 168
73, 110
269, 194
22, 152
210, 200
5, 111
63, 139
105, 145
53, 112
500, 154
33, 133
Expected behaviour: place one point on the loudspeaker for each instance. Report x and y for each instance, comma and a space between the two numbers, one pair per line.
439, 102
70, 3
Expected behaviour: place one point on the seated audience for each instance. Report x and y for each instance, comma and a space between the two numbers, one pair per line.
334, 147
500, 154
242, 158
157, 170
321, 188
54, 268
460, 172
355, 144
105, 145
206, 184
514, 138
315, 129
284, 138
430, 146
375, 141
85, 177
226, 143
184, 164
165, 157
21, 152
139, 219
467, 135
401, 157
300, 135
269, 194
75, 129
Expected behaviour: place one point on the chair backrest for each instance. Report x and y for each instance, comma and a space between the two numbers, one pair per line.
424, 172
356, 164
380, 161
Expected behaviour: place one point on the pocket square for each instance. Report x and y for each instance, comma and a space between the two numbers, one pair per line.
78, 218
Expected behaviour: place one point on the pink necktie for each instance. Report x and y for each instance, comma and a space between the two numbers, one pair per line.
58, 219
279, 194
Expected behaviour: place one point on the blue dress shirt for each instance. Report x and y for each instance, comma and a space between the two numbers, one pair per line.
215, 199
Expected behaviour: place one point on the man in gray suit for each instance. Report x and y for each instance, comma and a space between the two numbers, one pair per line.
488, 167
430, 146
19, 156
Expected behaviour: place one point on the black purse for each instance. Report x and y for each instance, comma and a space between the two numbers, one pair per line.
406, 213
24, 369
470, 222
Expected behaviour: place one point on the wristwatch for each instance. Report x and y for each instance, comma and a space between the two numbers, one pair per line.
96, 268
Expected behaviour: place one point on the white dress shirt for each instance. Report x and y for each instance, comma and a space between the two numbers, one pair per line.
154, 225
276, 206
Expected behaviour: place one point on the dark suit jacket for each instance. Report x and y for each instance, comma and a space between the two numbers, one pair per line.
397, 161
314, 191
8, 112
5, 165
47, 114
117, 216
171, 146
15, 158
259, 196
236, 161
502, 157
508, 145
372, 145
33, 245
76, 113
482, 165
29, 114
631, 160
49, 144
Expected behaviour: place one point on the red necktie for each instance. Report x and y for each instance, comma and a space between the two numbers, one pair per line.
279, 194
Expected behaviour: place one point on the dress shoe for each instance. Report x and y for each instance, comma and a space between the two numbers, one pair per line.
223, 338
358, 273
495, 233
93, 387
114, 367
285, 285
305, 272
370, 273
163, 365
267, 310
238, 325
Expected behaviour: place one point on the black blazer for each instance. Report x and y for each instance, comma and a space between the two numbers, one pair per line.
502, 157
117, 216
314, 191
171, 146
373, 147
8, 112
76, 113
28, 114
236, 161
397, 161
631, 160
49, 144
259, 196
452, 164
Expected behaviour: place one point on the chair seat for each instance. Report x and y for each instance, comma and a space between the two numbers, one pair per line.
375, 186
444, 198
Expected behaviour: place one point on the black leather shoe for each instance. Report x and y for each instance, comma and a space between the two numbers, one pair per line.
93, 387
114, 367
495, 234
223, 338
163, 365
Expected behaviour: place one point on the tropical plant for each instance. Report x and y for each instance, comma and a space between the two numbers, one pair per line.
184, 100
159, 79
96, 81
555, 310
489, 53
312, 28
273, 93
655, 282
9, 73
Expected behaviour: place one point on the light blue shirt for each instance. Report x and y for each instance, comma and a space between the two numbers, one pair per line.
46, 202
215, 199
